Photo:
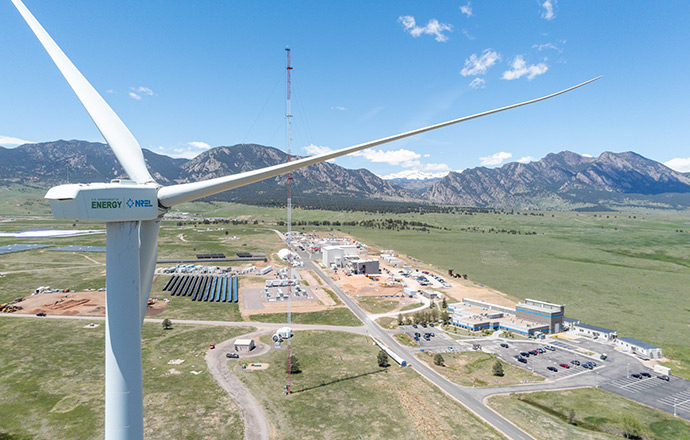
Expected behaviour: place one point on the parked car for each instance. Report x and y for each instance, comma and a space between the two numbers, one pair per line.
636, 376
566, 366
664, 377
504, 345
534, 352
414, 325
645, 374
40, 314
232, 355
550, 368
524, 353
550, 347
575, 362
541, 350
523, 360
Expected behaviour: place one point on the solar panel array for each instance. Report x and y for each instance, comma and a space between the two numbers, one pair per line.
209, 288
204, 256
12, 248
79, 249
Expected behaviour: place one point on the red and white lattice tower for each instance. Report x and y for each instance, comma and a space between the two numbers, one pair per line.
288, 140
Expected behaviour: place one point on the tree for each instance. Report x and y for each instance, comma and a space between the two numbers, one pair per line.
400, 319
571, 417
631, 428
498, 368
167, 324
438, 359
294, 364
382, 358
444, 303
445, 317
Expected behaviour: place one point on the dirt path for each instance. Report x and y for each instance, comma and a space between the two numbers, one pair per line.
256, 425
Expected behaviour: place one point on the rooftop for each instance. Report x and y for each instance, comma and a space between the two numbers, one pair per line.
637, 342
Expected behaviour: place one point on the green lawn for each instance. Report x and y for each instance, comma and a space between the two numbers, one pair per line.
474, 368
586, 414
52, 373
342, 393
336, 316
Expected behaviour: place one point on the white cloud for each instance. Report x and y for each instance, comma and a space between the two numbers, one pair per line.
545, 46
527, 159
199, 145
519, 68
190, 150
495, 159
679, 164
6, 141
414, 175
316, 149
478, 65
137, 92
433, 27
466, 33
427, 155
436, 167
478, 83
342, 109
401, 157
548, 12
467, 9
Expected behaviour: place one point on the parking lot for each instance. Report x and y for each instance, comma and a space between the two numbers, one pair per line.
543, 360
439, 343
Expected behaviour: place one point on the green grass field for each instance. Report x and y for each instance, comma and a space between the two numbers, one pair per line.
342, 393
611, 269
52, 372
336, 316
586, 414
474, 368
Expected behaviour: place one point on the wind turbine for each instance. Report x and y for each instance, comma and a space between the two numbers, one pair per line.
132, 210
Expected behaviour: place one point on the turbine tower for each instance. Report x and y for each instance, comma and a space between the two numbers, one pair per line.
132, 210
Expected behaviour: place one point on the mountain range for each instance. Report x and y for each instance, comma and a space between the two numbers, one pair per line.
562, 180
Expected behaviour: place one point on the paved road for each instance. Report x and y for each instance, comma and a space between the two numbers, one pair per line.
473, 403
256, 425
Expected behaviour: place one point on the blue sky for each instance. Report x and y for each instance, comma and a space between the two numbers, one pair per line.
185, 76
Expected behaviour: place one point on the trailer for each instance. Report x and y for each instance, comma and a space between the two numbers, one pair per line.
265, 270
390, 353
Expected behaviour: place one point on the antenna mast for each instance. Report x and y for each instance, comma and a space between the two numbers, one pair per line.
288, 139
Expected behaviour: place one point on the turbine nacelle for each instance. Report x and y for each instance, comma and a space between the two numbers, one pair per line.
118, 201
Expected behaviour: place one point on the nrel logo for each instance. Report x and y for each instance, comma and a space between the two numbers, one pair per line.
106, 204
139, 203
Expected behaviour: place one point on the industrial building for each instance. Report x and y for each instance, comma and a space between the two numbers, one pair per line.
478, 315
367, 267
244, 344
332, 255
643, 349
542, 312
594, 332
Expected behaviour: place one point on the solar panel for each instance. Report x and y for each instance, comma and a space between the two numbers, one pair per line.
12, 248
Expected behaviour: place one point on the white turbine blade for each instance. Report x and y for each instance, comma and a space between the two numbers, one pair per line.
172, 195
116, 134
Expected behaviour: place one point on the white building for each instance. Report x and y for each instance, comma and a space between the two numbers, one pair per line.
244, 344
643, 349
594, 332
332, 255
